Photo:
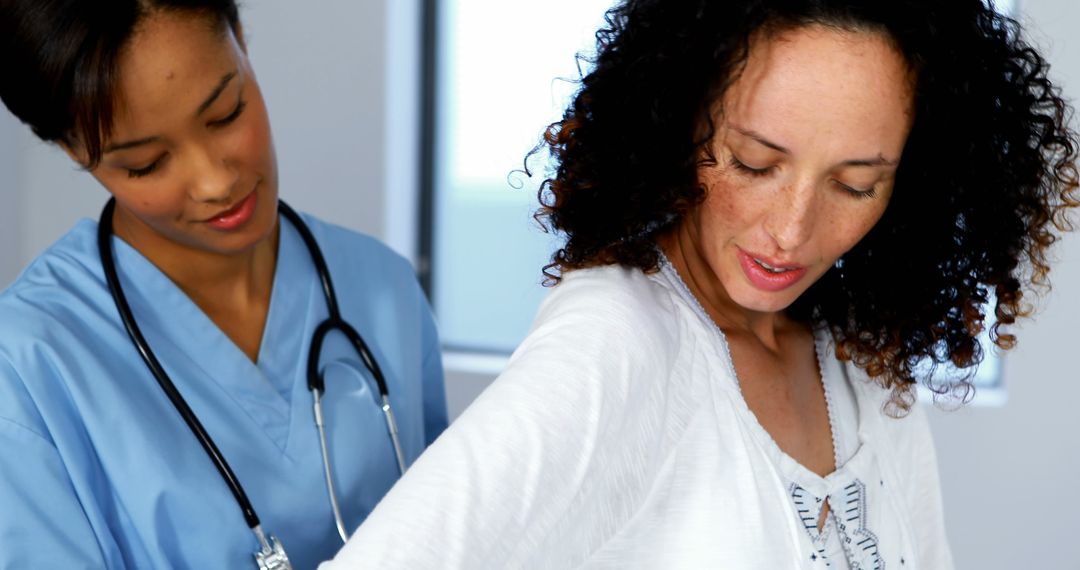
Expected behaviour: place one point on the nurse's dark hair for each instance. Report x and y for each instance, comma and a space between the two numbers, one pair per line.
987, 175
59, 68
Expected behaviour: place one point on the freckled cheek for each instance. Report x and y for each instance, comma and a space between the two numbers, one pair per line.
846, 229
725, 211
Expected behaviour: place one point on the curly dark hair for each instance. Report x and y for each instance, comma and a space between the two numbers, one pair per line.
988, 171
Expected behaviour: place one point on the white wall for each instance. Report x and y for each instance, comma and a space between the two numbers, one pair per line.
11, 197
321, 68
1011, 474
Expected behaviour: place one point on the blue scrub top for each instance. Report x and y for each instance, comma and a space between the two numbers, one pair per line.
97, 469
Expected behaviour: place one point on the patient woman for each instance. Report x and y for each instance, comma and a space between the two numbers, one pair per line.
774, 210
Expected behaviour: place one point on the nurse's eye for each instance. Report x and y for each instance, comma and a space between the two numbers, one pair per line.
750, 170
144, 171
227, 120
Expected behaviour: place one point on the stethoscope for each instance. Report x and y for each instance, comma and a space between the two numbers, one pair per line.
271, 554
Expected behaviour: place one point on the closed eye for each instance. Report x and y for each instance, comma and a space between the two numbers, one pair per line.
144, 171
864, 194
747, 169
224, 121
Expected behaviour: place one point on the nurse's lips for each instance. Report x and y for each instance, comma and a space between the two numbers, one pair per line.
236, 216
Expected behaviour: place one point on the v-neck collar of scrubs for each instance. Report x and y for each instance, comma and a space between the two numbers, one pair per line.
159, 303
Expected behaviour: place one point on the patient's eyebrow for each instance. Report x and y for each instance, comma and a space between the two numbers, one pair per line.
760, 139
878, 160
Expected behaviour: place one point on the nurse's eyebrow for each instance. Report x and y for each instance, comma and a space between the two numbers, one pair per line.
129, 144
225, 79
878, 160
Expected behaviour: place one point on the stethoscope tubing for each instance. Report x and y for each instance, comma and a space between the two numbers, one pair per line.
315, 381
106, 250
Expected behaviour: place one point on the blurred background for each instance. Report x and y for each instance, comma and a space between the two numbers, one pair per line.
410, 120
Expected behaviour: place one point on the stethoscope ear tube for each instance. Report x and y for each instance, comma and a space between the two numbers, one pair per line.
316, 257
105, 235
315, 379
316, 383
339, 521
391, 426
334, 321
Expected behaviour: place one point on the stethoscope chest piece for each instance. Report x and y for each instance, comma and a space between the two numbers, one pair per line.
271, 555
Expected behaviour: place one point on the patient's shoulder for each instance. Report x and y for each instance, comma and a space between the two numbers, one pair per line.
610, 296
606, 316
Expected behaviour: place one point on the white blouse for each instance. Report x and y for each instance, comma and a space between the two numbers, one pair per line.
617, 437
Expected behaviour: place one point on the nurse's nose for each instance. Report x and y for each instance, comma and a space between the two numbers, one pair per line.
793, 216
213, 179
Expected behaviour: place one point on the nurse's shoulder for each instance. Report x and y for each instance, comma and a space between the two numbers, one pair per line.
57, 293
364, 260
51, 317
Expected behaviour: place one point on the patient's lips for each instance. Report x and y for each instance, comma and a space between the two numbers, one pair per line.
769, 275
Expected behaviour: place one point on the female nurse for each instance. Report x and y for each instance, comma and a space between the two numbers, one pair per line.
774, 209
157, 100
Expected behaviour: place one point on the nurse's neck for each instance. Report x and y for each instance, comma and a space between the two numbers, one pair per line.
232, 289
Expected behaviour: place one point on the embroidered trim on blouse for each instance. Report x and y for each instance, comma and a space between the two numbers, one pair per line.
860, 544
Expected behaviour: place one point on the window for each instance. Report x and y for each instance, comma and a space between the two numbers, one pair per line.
497, 70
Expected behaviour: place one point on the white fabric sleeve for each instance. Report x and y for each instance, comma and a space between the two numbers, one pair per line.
494, 487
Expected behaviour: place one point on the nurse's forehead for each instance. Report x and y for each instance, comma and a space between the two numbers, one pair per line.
173, 61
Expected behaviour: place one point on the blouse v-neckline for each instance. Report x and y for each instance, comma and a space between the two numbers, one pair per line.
790, 469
